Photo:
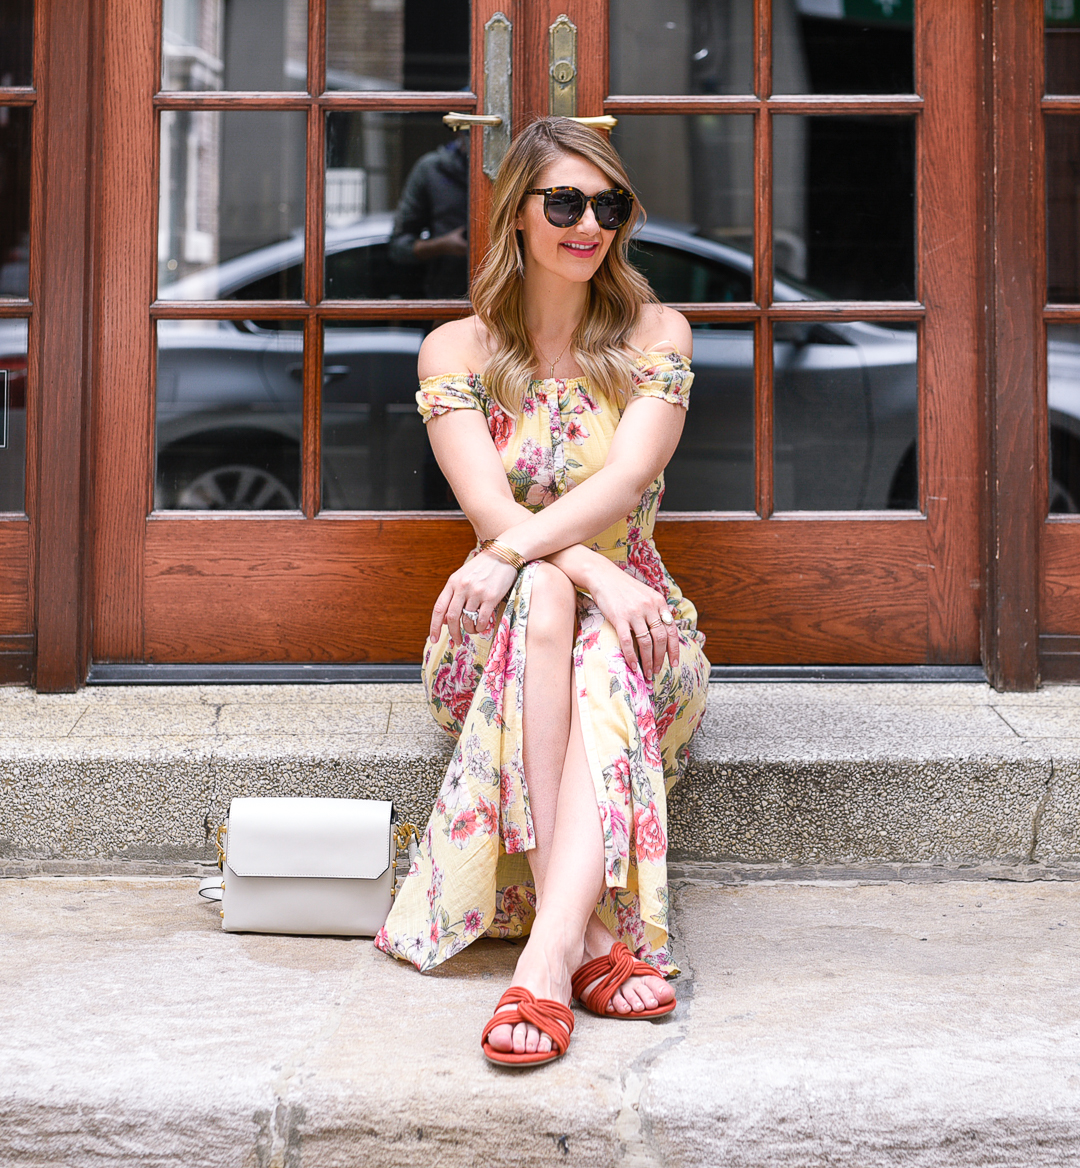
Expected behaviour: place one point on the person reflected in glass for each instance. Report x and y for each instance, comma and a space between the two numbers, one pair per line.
562, 655
430, 223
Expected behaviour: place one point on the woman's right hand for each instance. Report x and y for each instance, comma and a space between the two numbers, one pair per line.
479, 586
634, 610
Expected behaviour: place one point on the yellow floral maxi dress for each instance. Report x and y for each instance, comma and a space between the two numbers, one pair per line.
471, 875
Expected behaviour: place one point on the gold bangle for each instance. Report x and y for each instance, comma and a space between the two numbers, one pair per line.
504, 552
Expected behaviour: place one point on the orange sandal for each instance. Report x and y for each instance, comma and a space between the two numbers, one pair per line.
614, 969
543, 1013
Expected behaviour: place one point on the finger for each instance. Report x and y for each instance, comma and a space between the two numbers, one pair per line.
453, 618
673, 644
627, 644
659, 647
643, 641
438, 613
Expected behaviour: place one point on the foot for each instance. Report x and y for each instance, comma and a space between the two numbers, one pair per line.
636, 994
543, 968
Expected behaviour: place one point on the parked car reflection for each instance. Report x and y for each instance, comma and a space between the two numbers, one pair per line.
229, 393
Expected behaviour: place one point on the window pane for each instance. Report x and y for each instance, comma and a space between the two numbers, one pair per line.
13, 415
844, 206
1062, 209
375, 453
16, 42
397, 207
843, 46
696, 244
845, 417
228, 416
1063, 393
397, 44
1062, 46
14, 202
234, 44
713, 467
231, 210
681, 46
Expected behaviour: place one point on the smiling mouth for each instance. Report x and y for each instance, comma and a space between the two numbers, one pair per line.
582, 249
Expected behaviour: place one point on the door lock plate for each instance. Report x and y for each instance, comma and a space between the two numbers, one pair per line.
562, 37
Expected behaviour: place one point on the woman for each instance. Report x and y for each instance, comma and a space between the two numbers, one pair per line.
562, 656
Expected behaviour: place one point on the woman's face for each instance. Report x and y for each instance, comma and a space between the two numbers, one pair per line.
574, 253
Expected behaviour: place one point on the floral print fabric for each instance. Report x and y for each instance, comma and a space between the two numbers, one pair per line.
471, 875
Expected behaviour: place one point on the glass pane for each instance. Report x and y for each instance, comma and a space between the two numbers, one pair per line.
234, 44
1063, 393
1062, 46
713, 467
696, 244
681, 46
228, 416
397, 207
16, 42
845, 417
397, 44
844, 207
13, 415
843, 46
1063, 209
14, 202
375, 454
231, 205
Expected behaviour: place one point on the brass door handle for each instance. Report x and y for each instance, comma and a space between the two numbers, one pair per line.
604, 122
460, 121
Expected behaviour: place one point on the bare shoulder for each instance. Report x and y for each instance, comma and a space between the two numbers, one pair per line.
459, 346
661, 329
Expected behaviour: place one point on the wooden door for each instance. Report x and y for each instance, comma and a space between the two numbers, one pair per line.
824, 505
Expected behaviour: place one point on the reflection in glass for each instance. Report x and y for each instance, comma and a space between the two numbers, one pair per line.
694, 175
16, 42
231, 205
397, 207
681, 46
1062, 46
228, 416
13, 352
397, 44
1063, 399
844, 417
844, 46
14, 202
234, 44
713, 467
1062, 209
375, 454
844, 199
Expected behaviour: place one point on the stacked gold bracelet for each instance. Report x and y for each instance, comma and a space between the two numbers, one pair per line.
503, 552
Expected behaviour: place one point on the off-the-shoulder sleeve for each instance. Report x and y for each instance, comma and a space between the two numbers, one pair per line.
449, 391
664, 375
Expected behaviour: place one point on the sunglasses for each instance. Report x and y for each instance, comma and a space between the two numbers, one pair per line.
564, 206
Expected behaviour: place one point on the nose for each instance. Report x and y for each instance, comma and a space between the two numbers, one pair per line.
588, 222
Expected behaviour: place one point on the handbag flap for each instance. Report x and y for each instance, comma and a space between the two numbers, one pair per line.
344, 838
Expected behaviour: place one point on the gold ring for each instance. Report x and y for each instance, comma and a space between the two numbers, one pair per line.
643, 636
655, 624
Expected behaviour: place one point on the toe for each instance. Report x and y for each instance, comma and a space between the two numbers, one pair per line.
502, 1039
521, 1034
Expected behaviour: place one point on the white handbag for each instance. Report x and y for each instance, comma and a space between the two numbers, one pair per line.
308, 866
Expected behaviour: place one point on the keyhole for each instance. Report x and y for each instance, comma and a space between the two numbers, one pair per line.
562, 71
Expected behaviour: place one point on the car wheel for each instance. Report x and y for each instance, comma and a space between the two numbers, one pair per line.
236, 488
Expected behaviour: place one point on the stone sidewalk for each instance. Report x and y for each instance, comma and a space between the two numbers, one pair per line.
851, 1025
803, 776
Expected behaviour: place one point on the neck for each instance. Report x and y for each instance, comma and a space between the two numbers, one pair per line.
553, 308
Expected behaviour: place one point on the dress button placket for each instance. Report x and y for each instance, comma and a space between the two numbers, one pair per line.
558, 455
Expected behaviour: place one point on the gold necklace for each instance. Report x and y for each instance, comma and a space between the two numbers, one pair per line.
558, 358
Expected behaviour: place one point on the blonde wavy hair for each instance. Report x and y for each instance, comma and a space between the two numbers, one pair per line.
601, 342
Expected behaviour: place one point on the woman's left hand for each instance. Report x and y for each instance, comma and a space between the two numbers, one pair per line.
478, 586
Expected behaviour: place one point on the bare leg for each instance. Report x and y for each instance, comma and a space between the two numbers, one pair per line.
568, 860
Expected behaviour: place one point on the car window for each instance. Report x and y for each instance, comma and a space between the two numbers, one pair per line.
684, 278
286, 284
368, 273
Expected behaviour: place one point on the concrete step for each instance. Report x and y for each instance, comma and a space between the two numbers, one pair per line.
949, 778
858, 1026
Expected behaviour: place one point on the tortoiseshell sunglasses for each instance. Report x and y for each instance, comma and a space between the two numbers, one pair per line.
564, 206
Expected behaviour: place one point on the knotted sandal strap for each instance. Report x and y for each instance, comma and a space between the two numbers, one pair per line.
614, 969
551, 1017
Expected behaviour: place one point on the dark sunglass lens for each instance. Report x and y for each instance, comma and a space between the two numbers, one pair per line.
612, 209
564, 208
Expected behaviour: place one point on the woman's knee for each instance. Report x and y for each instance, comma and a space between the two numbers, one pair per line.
552, 605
